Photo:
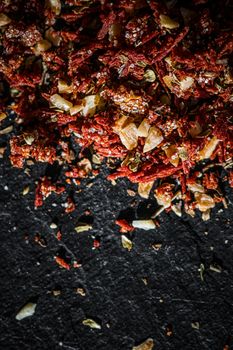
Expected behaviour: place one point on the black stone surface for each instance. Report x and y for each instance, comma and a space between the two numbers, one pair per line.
116, 296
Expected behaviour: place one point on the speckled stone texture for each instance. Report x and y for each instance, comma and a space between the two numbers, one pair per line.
128, 310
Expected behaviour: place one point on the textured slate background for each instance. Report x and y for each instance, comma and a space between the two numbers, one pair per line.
116, 296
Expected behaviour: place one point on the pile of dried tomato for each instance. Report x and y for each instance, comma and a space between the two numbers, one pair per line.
149, 83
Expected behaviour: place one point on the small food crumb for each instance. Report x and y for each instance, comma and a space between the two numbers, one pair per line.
131, 193
26, 311
25, 190
83, 227
62, 263
59, 235
144, 224
40, 240
169, 331
126, 243
81, 291
201, 271
56, 292
91, 323
215, 268
156, 246
146, 345
195, 325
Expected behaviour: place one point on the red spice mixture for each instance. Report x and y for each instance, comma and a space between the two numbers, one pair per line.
149, 83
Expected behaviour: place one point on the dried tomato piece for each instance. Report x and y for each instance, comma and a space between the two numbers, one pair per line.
44, 189
210, 181
26, 35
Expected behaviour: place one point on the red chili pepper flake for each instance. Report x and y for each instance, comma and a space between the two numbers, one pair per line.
210, 181
69, 205
61, 262
151, 88
76, 265
96, 243
59, 236
124, 225
44, 189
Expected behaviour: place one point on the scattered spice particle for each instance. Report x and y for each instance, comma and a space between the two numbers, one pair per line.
96, 244
27, 172
26, 238
26, 311
81, 291
215, 268
76, 265
124, 225
91, 323
62, 263
126, 243
56, 292
195, 325
144, 224
146, 345
156, 246
169, 331
131, 193
59, 235
44, 189
82, 227
26, 190
40, 240
69, 205
90, 185
201, 271
53, 225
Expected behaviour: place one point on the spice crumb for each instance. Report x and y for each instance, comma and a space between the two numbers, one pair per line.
56, 292
81, 291
156, 246
195, 325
